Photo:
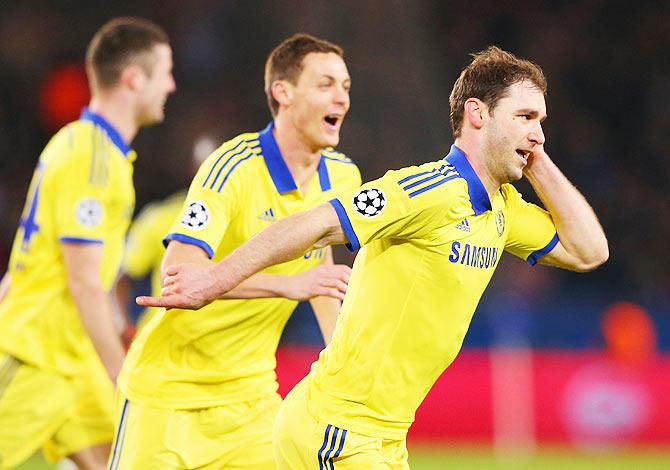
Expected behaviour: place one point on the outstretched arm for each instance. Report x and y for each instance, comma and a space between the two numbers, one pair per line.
582, 245
324, 280
193, 286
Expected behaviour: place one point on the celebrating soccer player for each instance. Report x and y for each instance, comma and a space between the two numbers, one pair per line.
200, 388
431, 237
60, 353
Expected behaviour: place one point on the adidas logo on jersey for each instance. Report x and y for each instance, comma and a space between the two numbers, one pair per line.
463, 225
268, 215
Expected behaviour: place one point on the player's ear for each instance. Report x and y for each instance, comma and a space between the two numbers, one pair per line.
474, 112
282, 91
132, 76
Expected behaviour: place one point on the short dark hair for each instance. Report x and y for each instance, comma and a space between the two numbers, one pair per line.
285, 61
119, 43
488, 77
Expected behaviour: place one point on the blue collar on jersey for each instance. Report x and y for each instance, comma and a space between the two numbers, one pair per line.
281, 176
479, 198
114, 136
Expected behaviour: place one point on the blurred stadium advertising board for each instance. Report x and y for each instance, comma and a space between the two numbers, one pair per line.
582, 398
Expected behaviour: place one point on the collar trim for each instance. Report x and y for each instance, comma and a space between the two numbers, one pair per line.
479, 198
112, 133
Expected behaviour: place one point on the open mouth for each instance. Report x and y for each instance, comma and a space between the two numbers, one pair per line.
523, 154
332, 120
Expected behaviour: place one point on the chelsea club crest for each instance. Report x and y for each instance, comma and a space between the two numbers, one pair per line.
500, 222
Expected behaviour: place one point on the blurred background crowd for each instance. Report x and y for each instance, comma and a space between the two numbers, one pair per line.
608, 125
608, 128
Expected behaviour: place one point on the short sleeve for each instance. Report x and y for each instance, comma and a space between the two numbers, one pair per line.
207, 211
532, 232
82, 205
382, 209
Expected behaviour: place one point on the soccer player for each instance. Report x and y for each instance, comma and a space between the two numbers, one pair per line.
60, 353
200, 388
431, 237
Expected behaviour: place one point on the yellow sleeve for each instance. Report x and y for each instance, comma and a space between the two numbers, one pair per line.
382, 209
208, 208
532, 233
82, 205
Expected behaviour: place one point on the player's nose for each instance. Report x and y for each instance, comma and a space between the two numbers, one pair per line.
341, 96
172, 85
537, 134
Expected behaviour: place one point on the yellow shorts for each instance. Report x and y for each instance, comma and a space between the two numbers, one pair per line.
61, 414
236, 436
301, 442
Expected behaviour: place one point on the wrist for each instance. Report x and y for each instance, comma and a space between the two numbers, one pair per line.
283, 286
219, 284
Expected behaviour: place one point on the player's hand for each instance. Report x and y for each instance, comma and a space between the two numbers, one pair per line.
330, 280
537, 154
189, 286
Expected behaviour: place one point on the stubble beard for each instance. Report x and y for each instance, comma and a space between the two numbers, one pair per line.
501, 157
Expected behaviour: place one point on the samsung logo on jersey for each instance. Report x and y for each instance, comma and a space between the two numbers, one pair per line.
475, 256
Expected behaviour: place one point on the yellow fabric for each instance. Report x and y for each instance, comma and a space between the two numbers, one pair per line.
82, 192
427, 257
302, 442
225, 352
236, 436
144, 246
40, 408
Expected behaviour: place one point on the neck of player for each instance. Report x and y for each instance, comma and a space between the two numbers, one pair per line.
118, 112
475, 155
301, 158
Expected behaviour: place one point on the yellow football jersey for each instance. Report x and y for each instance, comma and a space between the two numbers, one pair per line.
81, 192
225, 352
144, 246
431, 240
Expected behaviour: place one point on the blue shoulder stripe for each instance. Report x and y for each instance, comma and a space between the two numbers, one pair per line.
229, 155
444, 173
348, 161
241, 151
335, 155
433, 175
245, 153
437, 183
411, 177
219, 159
416, 175
251, 154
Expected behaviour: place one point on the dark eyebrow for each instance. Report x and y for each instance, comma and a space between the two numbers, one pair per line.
533, 113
